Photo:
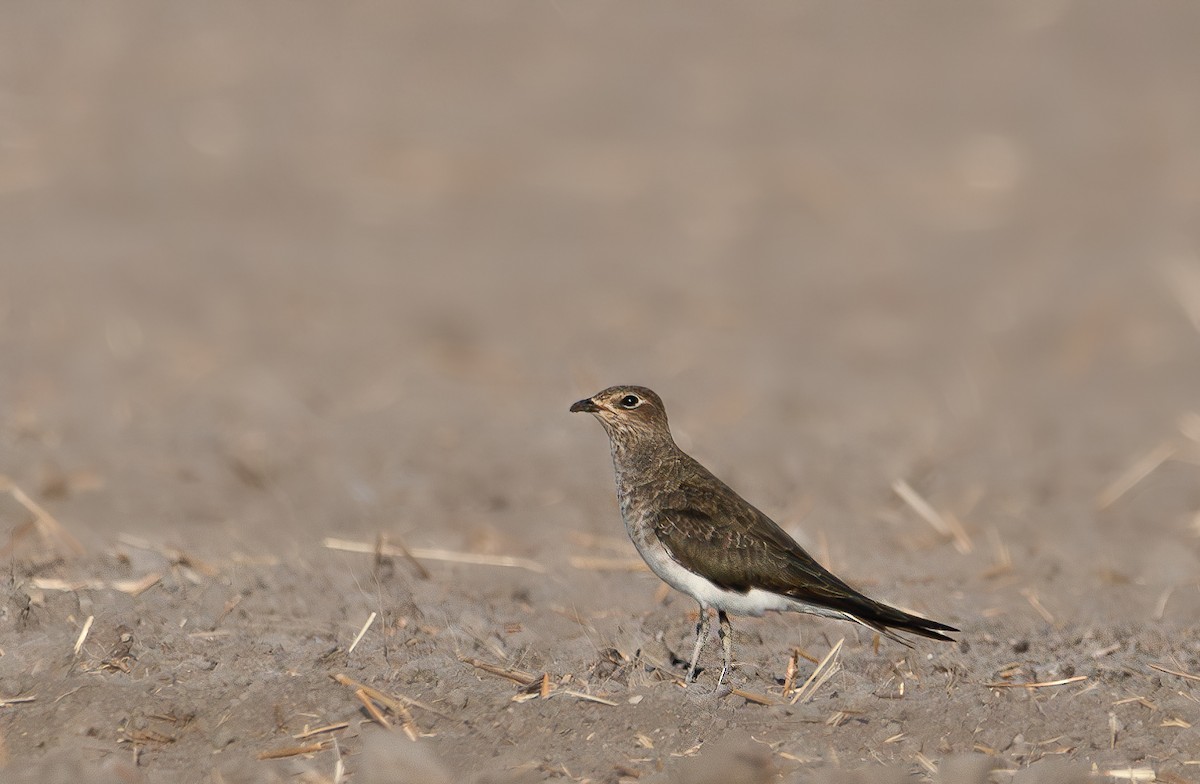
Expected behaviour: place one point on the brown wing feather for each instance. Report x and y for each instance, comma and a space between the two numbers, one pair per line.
754, 552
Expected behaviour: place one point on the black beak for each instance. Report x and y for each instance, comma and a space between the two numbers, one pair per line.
584, 405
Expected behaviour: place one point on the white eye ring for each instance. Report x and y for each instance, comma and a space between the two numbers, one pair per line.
630, 401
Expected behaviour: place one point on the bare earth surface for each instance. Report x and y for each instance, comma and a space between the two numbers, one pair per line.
274, 273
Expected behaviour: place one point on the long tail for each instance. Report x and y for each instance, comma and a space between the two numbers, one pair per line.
887, 620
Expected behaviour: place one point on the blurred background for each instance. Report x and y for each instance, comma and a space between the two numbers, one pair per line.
282, 270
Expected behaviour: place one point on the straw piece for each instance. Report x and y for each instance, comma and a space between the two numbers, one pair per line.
1036, 603
823, 672
789, 679
295, 751
1180, 673
588, 697
1139, 470
341, 725
947, 525
435, 554
83, 633
381, 543
361, 633
372, 710
1036, 684
1132, 774
131, 587
392, 702
518, 676
757, 699
49, 529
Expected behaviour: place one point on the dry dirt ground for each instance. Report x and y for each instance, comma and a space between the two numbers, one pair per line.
281, 272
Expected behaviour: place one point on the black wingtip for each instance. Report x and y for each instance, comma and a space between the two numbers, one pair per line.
914, 624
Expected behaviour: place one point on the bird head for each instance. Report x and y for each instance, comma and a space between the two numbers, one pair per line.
628, 413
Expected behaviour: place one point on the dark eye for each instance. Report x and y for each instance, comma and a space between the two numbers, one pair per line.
630, 401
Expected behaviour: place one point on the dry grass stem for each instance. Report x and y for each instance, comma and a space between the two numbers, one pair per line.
436, 554
1036, 603
176, 556
361, 633
1132, 774
372, 710
83, 633
517, 676
1160, 607
52, 532
1003, 563
295, 751
587, 697
341, 725
1179, 673
789, 679
1036, 684
948, 526
131, 587
1139, 470
595, 564
381, 543
6, 701
823, 672
394, 702
750, 696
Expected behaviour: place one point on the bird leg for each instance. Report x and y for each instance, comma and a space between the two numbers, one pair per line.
701, 637
725, 629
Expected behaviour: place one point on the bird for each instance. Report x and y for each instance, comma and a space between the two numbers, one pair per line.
704, 540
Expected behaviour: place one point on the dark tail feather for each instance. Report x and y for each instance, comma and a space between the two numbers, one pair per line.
888, 620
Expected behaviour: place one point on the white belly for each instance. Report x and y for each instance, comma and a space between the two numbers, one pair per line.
754, 602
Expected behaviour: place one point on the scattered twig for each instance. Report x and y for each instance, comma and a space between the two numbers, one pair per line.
1160, 607
789, 679
1004, 562
388, 700
51, 531
1139, 470
341, 725
749, 696
295, 751
518, 676
373, 710
83, 633
1132, 774
436, 554
947, 525
381, 544
588, 697
176, 556
1180, 673
1036, 603
131, 587
229, 607
1035, 684
7, 701
361, 633
823, 672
